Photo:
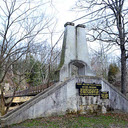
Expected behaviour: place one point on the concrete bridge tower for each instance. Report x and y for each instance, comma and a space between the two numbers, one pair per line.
74, 52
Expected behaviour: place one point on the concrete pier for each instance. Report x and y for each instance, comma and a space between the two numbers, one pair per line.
74, 52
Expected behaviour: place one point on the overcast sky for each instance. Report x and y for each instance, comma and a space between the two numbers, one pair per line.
64, 14
63, 11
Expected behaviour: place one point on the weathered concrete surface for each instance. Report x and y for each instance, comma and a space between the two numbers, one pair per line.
70, 39
82, 48
63, 98
68, 50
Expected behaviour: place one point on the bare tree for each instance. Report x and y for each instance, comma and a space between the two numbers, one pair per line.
100, 61
110, 25
22, 23
52, 32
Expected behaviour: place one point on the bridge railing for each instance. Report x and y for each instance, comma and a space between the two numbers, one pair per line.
30, 91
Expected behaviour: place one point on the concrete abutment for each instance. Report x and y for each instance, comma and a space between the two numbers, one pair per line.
63, 98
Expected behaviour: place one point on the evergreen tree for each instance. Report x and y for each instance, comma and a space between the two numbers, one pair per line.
34, 72
113, 70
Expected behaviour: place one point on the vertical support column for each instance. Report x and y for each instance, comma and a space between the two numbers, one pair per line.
68, 50
82, 48
70, 39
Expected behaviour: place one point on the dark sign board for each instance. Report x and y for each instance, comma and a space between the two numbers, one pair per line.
88, 89
104, 95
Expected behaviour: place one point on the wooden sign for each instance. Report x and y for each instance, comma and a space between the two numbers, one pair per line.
88, 89
104, 95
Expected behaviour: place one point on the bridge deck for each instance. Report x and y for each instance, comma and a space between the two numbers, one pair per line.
32, 91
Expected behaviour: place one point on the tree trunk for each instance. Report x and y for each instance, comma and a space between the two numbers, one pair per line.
48, 76
123, 71
2, 105
121, 31
8, 106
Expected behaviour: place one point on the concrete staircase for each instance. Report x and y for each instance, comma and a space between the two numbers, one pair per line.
63, 97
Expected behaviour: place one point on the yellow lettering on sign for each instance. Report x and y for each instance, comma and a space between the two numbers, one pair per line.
86, 91
79, 84
92, 87
104, 96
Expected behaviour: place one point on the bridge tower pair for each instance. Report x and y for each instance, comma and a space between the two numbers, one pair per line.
74, 52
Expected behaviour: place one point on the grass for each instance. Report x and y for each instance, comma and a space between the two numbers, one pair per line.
110, 120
